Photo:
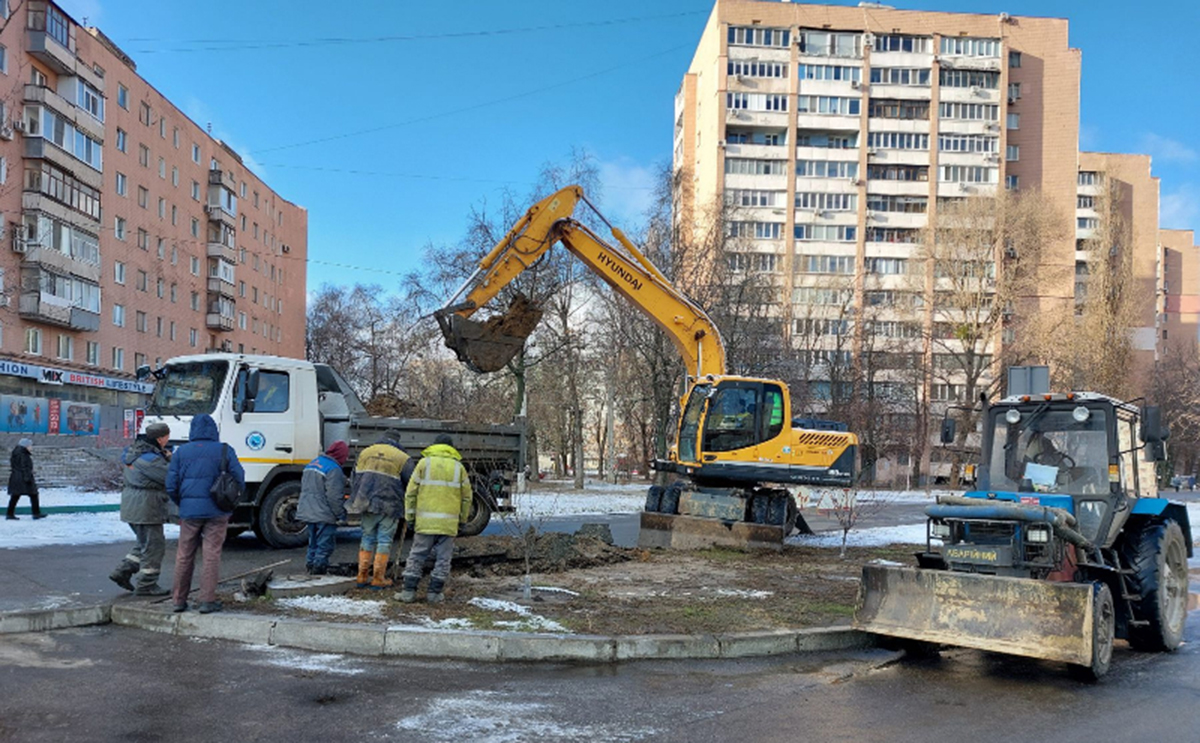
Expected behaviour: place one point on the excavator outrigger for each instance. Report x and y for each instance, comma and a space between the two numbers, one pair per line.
736, 446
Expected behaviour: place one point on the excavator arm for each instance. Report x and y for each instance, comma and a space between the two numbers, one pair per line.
488, 346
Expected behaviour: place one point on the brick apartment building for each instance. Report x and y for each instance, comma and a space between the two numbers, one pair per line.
129, 234
834, 132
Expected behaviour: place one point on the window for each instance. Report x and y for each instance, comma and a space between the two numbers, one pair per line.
1014, 92
825, 264
828, 140
885, 108
1086, 202
122, 140
171, 332
195, 190
174, 255
174, 176
892, 235
144, 113
174, 215
63, 188
898, 172
1088, 178
1087, 223
93, 353
143, 156
89, 99
1014, 59
741, 166
158, 326
752, 197
966, 174
143, 281
195, 227
897, 43
241, 320
140, 321
143, 196
832, 202
901, 204
826, 168
192, 335
162, 128
195, 302
242, 190
123, 97
738, 67
162, 168
898, 141
757, 262
901, 75
175, 137
755, 36
118, 272
826, 44
118, 315
830, 72
822, 296
195, 266
967, 143
825, 232
1012, 182
826, 104
174, 293
33, 341
139, 360
242, 287
755, 230
1012, 153
887, 266
118, 358
969, 79
965, 46
1013, 121
119, 228
159, 288
162, 209
195, 158
122, 184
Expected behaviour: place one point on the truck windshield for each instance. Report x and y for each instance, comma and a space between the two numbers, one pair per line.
1052, 453
189, 389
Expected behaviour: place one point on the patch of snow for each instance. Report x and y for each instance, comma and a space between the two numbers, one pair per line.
451, 623
340, 605
879, 536
554, 589
528, 621
71, 496
302, 661
744, 593
543, 504
70, 528
485, 716
888, 563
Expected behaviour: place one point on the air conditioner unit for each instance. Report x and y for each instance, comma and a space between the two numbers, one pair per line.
963, 187
992, 126
18, 125
6, 132
872, 151
992, 157
855, 84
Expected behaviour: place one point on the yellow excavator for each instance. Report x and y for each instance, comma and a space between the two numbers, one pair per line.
736, 446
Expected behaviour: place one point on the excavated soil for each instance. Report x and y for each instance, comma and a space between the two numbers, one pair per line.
585, 585
487, 346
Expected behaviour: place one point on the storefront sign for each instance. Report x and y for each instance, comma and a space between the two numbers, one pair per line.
50, 375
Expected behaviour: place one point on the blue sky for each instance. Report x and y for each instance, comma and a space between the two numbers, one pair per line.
486, 92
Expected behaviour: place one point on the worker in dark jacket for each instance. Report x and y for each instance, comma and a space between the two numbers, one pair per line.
437, 501
323, 504
144, 508
20, 480
377, 492
194, 468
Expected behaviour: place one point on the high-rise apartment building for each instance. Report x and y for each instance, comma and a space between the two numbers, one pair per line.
130, 234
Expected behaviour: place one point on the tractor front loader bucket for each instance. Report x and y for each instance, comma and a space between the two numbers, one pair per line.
487, 346
1017, 616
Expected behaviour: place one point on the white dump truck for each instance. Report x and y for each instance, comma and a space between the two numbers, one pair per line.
278, 414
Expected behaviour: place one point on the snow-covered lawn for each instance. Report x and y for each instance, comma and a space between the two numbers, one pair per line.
876, 537
70, 528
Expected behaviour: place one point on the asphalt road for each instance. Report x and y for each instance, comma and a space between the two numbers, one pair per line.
112, 683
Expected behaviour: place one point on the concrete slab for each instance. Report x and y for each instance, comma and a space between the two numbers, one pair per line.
218, 626
833, 638
48, 619
330, 637
427, 643
144, 617
310, 585
586, 648
751, 644
632, 647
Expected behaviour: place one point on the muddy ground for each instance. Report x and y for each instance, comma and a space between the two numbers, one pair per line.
588, 586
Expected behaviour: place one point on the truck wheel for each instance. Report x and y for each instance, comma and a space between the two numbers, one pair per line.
1158, 557
477, 521
1104, 624
276, 524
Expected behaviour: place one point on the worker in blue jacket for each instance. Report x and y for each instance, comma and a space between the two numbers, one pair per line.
323, 504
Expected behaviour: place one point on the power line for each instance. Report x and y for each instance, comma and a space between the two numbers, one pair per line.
426, 176
465, 109
226, 45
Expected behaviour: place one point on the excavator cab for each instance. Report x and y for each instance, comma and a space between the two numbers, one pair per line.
729, 415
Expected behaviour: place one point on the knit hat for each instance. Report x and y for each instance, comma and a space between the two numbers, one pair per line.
154, 431
338, 451
444, 438
25, 443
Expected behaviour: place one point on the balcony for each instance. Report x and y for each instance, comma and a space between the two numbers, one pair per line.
218, 322
39, 148
222, 178
218, 213
51, 52
58, 261
35, 201
219, 287
47, 308
222, 251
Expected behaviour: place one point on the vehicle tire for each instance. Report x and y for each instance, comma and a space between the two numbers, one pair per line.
654, 498
670, 498
478, 519
1158, 557
777, 510
276, 523
1104, 624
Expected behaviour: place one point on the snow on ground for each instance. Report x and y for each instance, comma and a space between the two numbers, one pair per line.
339, 605
528, 620
561, 499
488, 716
303, 661
876, 537
70, 528
742, 593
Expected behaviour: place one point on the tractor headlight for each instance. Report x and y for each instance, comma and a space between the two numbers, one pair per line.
1038, 535
1013, 416
939, 530
1081, 414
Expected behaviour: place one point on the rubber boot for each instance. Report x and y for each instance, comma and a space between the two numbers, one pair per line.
379, 579
409, 594
436, 588
364, 568
122, 574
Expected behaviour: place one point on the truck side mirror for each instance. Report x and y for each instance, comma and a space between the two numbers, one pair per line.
949, 428
142, 371
251, 391
1153, 429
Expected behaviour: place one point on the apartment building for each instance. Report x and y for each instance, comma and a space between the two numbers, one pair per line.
1178, 290
129, 234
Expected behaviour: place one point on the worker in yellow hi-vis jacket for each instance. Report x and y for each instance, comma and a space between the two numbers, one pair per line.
437, 500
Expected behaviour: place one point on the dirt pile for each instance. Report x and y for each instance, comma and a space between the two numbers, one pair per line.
390, 406
547, 553
487, 346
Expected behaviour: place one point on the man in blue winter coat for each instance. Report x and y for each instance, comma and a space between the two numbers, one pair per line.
323, 504
194, 468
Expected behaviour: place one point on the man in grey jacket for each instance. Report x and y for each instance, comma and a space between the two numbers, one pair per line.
323, 504
144, 508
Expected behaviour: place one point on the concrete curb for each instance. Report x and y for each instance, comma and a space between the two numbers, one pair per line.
417, 642
49, 619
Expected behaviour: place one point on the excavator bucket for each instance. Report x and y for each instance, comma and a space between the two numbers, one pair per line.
1017, 616
487, 346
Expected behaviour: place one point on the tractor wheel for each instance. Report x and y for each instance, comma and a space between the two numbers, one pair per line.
1104, 624
1158, 556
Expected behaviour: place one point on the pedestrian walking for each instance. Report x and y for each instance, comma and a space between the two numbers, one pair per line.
381, 474
21, 480
190, 476
144, 508
437, 501
323, 504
